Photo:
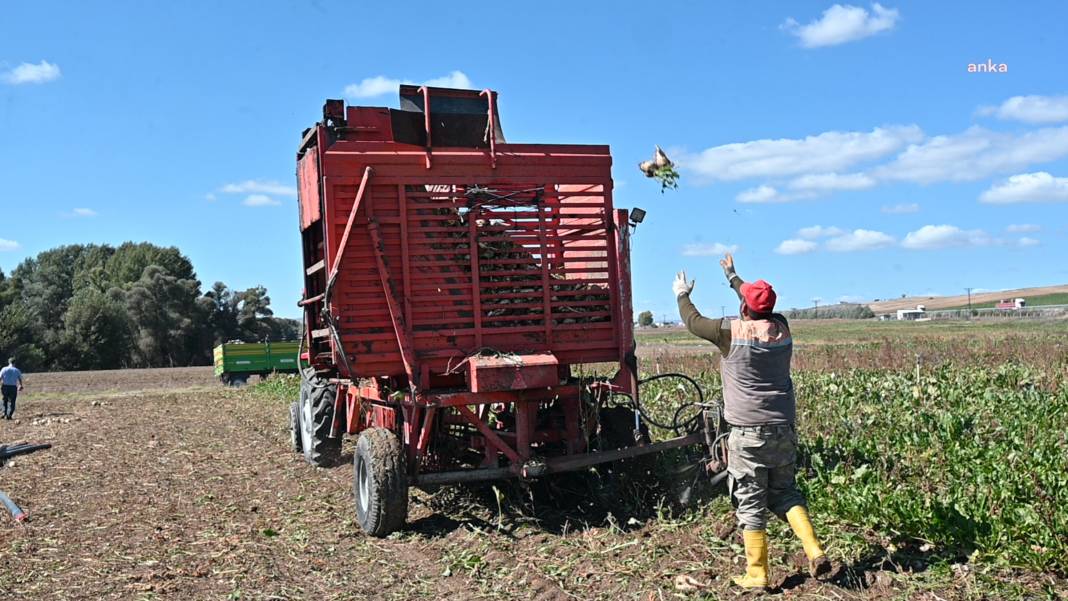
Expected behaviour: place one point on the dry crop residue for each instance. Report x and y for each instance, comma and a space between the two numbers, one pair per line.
164, 485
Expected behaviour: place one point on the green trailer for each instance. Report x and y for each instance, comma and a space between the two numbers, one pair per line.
236, 361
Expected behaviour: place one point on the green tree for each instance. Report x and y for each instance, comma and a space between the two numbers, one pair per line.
645, 318
223, 309
129, 261
20, 336
6, 291
97, 331
45, 284
255, 316
96, 306
284, 328
168, 319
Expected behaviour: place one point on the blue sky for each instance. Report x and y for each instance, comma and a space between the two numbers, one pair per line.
177, 123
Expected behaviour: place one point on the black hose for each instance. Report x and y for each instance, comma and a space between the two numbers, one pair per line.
675, 426
21, 449
696, 386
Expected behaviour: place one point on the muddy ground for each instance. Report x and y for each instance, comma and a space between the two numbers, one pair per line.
162, 484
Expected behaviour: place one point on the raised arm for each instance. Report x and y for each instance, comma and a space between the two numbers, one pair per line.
727, 263
699, 325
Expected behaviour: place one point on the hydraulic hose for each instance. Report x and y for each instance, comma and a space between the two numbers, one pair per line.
675, 426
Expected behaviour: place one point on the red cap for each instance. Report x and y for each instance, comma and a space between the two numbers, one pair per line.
759, 296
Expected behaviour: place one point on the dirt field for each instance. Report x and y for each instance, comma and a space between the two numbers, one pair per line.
164, 485
944, 302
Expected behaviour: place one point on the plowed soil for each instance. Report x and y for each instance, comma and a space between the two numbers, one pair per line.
162, 484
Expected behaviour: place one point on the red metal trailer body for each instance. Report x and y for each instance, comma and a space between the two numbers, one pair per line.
452, 281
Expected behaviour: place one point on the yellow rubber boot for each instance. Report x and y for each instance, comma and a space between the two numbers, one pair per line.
756, 559
818, 564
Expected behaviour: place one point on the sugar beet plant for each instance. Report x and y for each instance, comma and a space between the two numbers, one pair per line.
972, 461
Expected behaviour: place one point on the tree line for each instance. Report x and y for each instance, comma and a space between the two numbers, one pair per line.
136, 305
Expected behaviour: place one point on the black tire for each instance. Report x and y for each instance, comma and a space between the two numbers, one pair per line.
295, 437
316, 420
234, 380
379, 482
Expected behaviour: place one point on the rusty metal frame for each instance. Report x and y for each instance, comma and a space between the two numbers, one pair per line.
426, 121
557, 464
400, 326
492, 439
491, 124
343, 244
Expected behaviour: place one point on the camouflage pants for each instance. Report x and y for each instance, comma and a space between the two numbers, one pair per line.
761, 466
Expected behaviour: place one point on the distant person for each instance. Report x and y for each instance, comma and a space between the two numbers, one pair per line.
758, 399
10, 385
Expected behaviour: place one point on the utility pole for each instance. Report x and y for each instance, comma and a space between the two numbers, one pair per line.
969, 302
817, 301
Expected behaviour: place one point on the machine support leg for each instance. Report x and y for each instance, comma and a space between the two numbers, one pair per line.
491, 437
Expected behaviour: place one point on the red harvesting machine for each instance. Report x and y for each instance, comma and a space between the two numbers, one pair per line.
453, 281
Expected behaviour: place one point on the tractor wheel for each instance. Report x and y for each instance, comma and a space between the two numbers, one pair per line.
316, 420
380, 482
234, 380
295, 437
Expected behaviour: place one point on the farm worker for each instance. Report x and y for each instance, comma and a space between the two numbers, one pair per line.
10, 385
758, 399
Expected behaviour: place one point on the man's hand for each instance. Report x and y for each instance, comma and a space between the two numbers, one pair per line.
681, 286
727, 263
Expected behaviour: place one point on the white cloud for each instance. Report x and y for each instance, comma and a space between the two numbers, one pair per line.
1030, 109
706, 250
80, 212
260, 200
1026, 242
901, 209
975, 154
852, 299
379, 85
209, 197
818, 231
41, 72
931, 237
372, 86
859, 240
1022, 228
832, 182
807, 186
759, 194
840, 24
795, 246
823, 153
1027, 187
259, 187
9, 245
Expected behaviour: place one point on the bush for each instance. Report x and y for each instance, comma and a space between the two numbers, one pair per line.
281, 387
